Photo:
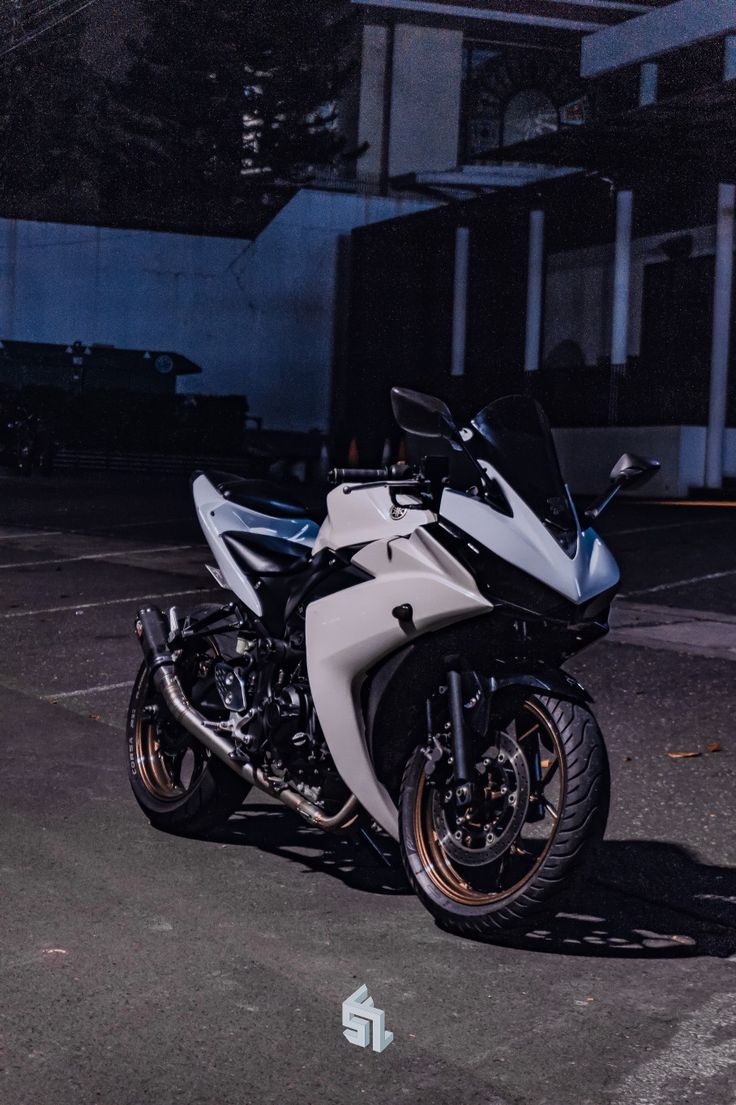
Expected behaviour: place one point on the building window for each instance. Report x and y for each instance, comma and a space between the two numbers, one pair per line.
528, 114
512, 95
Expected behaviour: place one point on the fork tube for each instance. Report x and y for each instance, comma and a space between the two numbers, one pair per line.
455, 690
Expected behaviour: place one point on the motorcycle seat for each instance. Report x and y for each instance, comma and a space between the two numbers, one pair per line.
261, 496
260, 554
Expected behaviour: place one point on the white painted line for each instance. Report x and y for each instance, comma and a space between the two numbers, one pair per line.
137, 525
679, 583
696, 1061
652, 610
665, 525
97, 556
107, 602
31, 533
88, 690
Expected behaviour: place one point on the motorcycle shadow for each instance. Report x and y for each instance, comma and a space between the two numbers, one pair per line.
641, 899
271, 828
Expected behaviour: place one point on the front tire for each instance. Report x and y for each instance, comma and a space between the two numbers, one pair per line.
482, 880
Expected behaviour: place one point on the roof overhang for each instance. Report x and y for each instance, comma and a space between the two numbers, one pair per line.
581, 16
468, 181
673, 27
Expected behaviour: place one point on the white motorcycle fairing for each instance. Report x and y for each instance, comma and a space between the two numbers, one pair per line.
350, 631
218, 515
526, 544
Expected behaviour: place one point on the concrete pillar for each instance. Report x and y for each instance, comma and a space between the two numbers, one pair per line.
460, 301
621, 297
648, 75
729, 58
621, 278
721, 335
534, 291
375, 82
426, 87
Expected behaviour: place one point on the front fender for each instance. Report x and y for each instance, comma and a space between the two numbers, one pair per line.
545, 680
395, 694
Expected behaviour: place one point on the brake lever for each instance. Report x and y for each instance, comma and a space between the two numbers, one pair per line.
348, 489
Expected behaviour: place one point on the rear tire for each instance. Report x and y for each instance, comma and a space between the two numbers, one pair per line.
463, 898
178, 784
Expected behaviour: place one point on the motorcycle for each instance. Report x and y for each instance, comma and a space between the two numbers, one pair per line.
396, 673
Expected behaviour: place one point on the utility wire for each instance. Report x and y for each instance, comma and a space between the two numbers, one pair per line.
49, 27
41, 47
31, 11
18, 23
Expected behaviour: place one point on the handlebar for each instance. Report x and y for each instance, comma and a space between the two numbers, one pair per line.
357, 475
369, 475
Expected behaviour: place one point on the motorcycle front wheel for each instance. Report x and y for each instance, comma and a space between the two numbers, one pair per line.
542, 794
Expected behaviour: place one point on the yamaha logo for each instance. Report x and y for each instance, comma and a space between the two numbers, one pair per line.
397, 512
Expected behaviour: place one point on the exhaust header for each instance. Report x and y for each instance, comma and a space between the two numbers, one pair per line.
152, 631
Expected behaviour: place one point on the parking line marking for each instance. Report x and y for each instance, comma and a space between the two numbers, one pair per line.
107, 602
154, 522
664, 525
727, 504
88, 690
31, 533
97, 556
679, 583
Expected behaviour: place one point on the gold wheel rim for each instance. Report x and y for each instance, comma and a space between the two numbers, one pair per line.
154, 769
443, 874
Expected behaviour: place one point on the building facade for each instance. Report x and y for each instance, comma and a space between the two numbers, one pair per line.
607, 291
445, 85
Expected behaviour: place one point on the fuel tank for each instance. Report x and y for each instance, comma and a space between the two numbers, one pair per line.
358, 514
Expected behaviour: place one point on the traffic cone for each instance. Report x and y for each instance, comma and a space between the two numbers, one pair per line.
386, 454
324, 461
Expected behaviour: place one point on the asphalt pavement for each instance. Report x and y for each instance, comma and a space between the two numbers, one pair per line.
138, 968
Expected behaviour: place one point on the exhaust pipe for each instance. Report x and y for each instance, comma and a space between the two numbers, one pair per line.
152, 631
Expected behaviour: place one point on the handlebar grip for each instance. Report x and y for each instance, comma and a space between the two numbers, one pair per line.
357, 475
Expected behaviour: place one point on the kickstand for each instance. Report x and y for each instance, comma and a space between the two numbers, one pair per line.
385, 856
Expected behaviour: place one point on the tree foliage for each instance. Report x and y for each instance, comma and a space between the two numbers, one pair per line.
49, 97
223, 99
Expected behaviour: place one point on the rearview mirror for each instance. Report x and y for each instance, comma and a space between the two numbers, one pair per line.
632, 471
628, 471
421, 414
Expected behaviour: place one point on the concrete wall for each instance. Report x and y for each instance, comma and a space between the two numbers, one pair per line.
426, 85
579, 292
257, 316
588, 454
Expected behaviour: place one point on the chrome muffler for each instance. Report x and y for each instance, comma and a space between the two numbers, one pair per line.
152, 630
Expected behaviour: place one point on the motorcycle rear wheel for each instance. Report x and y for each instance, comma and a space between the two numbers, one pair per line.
178, 784
528, 850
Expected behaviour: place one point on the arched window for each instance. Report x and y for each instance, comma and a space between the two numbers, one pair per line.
529, 114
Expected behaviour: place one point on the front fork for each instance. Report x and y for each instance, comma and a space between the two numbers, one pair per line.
467, 787
464, 787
